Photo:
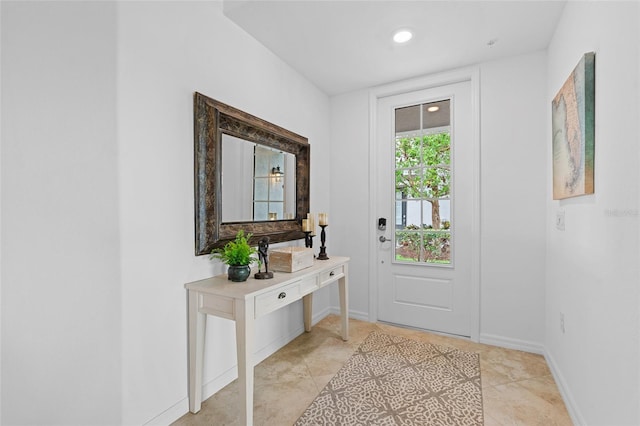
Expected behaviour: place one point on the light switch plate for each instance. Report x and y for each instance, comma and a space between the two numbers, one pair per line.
560, 220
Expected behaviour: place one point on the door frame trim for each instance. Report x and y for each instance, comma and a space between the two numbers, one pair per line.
472, 75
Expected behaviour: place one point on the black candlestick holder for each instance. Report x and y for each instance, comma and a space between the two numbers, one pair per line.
308, 239
323, 249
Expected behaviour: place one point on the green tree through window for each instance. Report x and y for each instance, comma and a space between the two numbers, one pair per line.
423, 174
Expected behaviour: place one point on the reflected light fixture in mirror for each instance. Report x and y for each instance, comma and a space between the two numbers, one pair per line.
254, 184
217, 124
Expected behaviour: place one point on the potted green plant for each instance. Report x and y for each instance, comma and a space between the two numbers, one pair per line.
238, 254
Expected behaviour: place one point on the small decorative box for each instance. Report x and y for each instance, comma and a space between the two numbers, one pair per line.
290, 259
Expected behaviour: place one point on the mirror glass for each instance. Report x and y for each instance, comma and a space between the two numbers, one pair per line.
258, 182
249, 175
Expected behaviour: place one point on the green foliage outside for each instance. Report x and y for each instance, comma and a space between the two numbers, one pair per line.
423, 172
237, 252
430, 245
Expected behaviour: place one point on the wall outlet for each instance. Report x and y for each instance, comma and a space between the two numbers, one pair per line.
560, 220
562, 322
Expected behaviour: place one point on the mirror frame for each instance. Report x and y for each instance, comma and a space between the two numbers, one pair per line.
211, 119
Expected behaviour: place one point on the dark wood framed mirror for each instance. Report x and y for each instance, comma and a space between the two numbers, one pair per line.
213, 121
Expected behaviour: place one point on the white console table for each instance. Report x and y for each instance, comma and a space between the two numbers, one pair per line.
244, 303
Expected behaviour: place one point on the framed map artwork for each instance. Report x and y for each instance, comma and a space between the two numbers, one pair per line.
573, 124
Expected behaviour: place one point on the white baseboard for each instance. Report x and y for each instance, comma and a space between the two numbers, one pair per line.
181, 407
268, 350
171, 414
362, 316
569, 401
319, 316
523, 345
510, 343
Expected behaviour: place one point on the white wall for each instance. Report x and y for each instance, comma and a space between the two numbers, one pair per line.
592, 267
61, 315
513, 209
513, 219
349, 187
166, 51
97, 202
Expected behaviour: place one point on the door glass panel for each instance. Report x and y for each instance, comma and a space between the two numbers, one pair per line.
423, 183
409, 183
408, 150
408, 245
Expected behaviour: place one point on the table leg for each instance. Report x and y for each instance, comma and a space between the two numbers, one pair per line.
197, 326
245, 345
307, 311
343, 288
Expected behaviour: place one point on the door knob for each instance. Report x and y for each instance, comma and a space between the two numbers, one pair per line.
383, 239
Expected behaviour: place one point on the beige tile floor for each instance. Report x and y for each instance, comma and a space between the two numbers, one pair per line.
518, 388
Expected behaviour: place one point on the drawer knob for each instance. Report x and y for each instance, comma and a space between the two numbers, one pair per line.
331, 273
282, 295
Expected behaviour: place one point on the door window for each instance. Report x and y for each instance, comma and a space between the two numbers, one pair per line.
423, 180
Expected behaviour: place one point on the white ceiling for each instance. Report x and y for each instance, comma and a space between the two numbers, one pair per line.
346, 45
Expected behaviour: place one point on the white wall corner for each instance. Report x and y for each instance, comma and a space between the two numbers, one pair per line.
510, 343
359, 315
569, 401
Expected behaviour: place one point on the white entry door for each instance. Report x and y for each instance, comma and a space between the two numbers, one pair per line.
425, 191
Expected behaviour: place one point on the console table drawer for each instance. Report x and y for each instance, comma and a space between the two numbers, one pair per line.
308, 285
332, 275
280, 297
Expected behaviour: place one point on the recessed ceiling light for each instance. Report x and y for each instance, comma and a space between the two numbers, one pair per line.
433, 108
402, 36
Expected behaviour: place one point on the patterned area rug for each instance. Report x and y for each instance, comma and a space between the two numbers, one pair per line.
391, 380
